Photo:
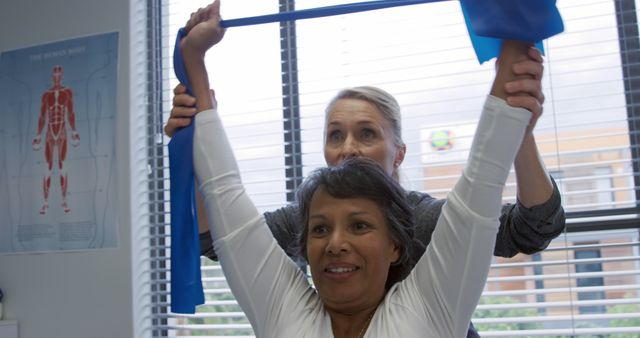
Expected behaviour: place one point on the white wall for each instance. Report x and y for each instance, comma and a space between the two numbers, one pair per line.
79, 294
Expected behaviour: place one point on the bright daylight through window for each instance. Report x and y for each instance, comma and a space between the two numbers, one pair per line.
273, 81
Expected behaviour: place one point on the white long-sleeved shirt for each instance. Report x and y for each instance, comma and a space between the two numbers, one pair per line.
439, 296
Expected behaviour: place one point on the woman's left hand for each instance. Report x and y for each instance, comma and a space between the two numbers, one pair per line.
526, 91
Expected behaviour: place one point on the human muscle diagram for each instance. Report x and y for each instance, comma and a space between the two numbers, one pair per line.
58, 146
56, 109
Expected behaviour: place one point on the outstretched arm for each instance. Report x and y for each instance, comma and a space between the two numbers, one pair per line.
202, 31
518, 82
259, 273
537, 217
524, 90
456, 263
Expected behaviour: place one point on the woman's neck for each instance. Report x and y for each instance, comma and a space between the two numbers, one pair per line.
352, 325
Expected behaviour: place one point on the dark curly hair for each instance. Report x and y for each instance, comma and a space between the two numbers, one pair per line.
364, 178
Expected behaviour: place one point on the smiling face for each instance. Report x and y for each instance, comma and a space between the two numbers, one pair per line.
356, 128
349, 249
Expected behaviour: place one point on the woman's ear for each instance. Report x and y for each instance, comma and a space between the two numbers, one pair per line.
395, 254
399, 156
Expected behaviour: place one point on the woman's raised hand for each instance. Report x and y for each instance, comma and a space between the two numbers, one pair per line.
526, 90
203, 30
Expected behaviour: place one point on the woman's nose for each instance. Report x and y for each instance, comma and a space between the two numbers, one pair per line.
350, 148
338, 243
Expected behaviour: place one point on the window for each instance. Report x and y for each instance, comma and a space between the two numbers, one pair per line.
273, 81
591, 268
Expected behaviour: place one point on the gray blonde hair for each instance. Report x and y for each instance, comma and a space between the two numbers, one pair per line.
385, 102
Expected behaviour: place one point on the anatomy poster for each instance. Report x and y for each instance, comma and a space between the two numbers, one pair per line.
57, 146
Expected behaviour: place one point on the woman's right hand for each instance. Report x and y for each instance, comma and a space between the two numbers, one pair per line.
183, 110
202, 30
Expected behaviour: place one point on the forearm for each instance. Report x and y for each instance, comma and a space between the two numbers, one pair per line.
72, 121
72, 114
198, 78
530, 230
534, 183
41, 121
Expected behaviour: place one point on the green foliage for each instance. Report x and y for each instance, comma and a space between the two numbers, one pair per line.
225, 320
623, 308
505, 313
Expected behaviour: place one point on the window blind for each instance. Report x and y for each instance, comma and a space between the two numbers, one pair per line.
244, 72
272, 83
148, 180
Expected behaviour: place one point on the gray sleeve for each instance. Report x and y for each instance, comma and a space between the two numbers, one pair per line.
522, 230
426, 211
283, 223
530, 230
206, 246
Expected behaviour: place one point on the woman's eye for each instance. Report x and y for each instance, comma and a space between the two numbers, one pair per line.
368, 134
361, 226
319, 229
335, 136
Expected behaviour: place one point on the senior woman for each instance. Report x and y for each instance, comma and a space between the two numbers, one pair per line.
352, 216
365, 122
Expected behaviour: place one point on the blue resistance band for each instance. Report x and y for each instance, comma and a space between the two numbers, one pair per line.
488, 22
186, 281
491, 21
320, 12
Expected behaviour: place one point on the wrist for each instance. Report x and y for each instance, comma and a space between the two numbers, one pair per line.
514, 51
528, 151
199, 80
190, 55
